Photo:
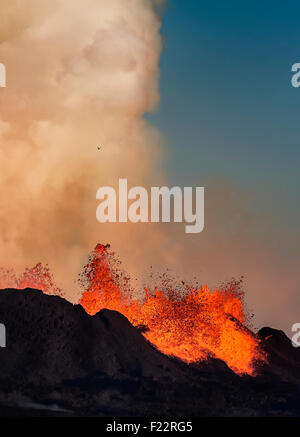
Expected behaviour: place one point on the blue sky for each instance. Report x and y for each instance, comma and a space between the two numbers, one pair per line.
228, 109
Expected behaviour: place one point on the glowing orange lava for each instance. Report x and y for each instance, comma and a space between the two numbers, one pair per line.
193, 326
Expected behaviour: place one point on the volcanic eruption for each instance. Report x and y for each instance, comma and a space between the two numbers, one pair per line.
90, 72
114, 354
191, 324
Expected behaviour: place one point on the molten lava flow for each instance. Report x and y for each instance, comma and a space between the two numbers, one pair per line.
193, 326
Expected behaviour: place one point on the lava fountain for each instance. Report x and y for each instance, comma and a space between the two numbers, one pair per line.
193, 326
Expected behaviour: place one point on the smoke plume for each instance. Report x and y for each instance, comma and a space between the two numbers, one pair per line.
79, 74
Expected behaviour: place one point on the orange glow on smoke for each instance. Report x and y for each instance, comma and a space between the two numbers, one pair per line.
193, 326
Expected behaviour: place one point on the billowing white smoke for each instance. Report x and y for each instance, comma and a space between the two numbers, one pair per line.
79, 73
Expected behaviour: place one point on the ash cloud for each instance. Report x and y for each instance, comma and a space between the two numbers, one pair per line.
80, 73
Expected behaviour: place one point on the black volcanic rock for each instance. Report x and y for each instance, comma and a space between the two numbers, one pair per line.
51, 339
283, 357
61, 361
276, 342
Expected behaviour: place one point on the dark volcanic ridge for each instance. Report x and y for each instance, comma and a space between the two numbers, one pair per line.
59, 361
